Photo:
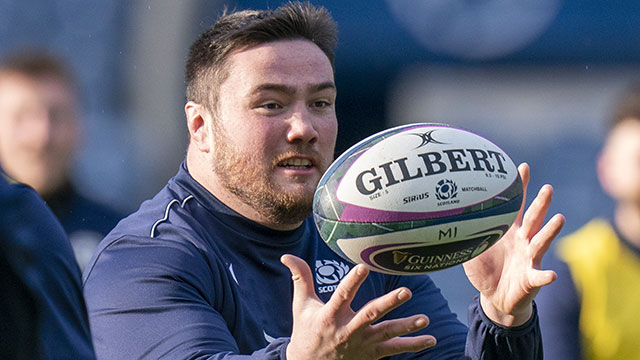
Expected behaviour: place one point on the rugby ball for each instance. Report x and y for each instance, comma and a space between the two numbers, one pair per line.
417, 198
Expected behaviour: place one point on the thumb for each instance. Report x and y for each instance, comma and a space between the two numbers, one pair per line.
303, 289
541, 278
525, 173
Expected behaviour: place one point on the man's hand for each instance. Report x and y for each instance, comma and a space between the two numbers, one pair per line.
334, 331
508, 274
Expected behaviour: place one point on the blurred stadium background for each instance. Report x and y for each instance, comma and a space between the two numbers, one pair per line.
538, 78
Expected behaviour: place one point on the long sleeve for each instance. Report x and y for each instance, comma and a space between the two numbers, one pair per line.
38, 252
145, 304
487, 340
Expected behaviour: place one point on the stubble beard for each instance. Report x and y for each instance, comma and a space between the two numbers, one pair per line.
250, 181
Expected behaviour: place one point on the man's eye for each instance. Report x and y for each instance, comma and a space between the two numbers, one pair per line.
271, 106
320, 104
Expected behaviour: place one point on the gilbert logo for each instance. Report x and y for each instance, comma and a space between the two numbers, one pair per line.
329, 273
426, 138
399, 256
402, 169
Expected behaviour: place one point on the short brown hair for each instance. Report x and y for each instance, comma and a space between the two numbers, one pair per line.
237, 30
38, 64
628, 106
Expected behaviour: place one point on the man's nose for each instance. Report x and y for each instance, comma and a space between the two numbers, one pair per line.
301, 127
38, 127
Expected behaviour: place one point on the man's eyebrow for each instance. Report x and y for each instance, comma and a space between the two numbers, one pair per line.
290, 90
274, 87
322, 86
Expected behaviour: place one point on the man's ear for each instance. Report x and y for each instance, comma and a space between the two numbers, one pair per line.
197, 117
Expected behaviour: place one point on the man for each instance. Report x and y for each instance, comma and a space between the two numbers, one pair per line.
196, 272
592, 312
39, 134
42, 311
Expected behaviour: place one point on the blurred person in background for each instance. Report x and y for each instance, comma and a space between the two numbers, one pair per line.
42, 310
592, 310
39, 134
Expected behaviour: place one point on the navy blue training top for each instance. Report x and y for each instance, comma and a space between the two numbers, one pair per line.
186, 277
42, 303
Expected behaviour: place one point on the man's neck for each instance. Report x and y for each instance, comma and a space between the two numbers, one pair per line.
627, 220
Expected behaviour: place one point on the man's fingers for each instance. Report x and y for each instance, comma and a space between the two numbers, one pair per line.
379, 307
388, 334
542, 240
346, 290
523, 170
302, 280
535, 214
401, 345
389, 329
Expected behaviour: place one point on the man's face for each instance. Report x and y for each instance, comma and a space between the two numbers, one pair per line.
274, 128
619, 163
38, 130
